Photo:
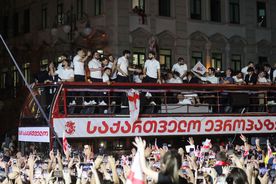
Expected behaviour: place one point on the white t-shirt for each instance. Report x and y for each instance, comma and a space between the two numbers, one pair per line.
152, 67
123, 62
237, 80
274, 74
213, 79
244, 70
105, 77
65, 74
114, 76
78, 66
95, 64
177, 80
262, 80
181, 69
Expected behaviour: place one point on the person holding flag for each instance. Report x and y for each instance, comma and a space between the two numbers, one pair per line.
170, 165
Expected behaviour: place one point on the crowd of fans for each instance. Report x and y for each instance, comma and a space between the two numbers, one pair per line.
205, 162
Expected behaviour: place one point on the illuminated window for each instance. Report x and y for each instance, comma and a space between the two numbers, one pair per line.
261, 14
26, 72
236, 62
216, 60
138, 3
15, 77
139, 56
165, 58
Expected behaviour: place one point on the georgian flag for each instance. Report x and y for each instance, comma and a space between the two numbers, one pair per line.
65, 145
134, 104
136, 175
199, 68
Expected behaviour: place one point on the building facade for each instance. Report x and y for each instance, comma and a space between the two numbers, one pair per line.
219, 33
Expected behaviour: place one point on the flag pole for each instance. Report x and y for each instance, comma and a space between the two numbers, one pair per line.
31, 91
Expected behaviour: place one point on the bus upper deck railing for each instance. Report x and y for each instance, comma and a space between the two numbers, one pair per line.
102, 100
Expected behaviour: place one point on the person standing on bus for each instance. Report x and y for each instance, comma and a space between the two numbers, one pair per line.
151, 70
78, 63
123, 75
123, 67
95, 67
66, 73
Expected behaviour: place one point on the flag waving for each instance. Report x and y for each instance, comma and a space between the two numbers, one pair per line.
199, 68
136, 175
134, 104
66, 146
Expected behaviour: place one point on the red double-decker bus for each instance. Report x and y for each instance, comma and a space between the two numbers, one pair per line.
169, 112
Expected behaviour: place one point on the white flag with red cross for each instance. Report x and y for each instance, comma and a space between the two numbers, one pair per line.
199, 68
136, 175
134, 104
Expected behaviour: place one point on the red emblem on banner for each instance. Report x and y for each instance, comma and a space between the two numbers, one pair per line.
70, 127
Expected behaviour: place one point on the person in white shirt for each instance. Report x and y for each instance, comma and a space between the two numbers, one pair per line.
180, 67
238, 79
66, 73
151, 70
113, 65
60, 60
95, 67
78, 63
262, 79
271, 73
123, 67
211, 78
244, 69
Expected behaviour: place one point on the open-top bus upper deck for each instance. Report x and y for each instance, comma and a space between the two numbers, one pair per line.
85, 110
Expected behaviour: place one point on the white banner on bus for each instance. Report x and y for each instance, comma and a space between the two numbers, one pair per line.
34, 134
160, 126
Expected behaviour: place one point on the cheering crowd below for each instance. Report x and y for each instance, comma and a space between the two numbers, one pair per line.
209, 162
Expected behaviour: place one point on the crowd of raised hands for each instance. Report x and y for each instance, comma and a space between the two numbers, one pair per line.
194, 163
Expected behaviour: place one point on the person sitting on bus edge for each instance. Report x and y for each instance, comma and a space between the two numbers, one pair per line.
251, 78
66, 73
238, 78
228, 79
262, 78
180, 67
190, 79
210, 77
